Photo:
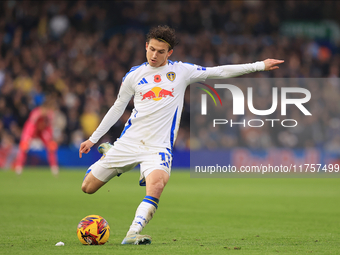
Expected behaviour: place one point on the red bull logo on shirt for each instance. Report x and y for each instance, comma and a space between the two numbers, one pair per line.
157, 93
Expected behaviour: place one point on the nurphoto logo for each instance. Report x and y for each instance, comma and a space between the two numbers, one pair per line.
239, 103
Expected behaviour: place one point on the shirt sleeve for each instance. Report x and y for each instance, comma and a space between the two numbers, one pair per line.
194, 73
228, 71
116, 111
198, 73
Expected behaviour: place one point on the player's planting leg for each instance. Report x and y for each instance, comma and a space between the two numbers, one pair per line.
144, 214
155, 183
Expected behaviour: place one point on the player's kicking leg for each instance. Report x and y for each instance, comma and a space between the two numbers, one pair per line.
155, 183
96, 176
104, 147
91, 182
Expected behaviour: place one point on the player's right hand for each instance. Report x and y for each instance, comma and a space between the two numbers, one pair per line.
85, 147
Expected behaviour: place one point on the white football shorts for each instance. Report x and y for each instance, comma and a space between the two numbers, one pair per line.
123, 157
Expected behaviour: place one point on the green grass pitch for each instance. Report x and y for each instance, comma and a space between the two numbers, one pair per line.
195, 216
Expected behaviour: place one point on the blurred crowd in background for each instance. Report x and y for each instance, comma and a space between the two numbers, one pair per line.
79, 51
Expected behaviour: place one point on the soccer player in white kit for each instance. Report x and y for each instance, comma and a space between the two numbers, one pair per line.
158, 88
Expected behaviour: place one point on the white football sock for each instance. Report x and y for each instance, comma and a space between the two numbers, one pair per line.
144, 214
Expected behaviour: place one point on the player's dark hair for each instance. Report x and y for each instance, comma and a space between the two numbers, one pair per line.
163, 34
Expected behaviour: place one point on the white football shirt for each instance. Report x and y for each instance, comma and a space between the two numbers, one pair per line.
158, 100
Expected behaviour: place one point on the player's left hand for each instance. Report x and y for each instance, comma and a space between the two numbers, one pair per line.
85, 147
271, 64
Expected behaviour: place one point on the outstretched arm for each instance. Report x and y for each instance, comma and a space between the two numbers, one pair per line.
228, 71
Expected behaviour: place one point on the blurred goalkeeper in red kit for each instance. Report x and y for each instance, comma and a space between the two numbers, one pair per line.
39, 125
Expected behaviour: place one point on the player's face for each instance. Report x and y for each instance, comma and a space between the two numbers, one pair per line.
157, 53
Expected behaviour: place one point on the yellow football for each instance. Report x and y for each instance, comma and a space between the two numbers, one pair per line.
93, 230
